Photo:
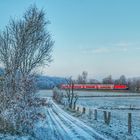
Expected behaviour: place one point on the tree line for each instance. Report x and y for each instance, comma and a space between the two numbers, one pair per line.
132, 83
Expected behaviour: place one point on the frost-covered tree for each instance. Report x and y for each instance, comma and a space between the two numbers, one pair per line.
57, 95
25, 44
134, 84
70, 95
122, 80
82, 79
108, 80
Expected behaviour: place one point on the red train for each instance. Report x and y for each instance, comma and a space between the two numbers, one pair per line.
96, 86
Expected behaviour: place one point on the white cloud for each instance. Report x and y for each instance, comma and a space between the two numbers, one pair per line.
112, 47
100, 50
122, 44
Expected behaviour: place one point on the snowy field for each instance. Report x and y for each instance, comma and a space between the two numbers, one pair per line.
119, 108
110, 102
44, 93
48, 93
10, 137
102, 93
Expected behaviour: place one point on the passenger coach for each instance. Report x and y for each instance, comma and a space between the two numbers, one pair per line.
95, 86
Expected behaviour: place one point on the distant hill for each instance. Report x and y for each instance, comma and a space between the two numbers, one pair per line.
47, 82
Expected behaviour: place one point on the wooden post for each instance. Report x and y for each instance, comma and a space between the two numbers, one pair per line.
129, 123
95, 114
77, 108
84, 110
107, 117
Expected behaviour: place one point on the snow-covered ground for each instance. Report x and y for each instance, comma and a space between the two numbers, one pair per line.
62, 126
14, 137
118, 128
104, 93
44, 93
119, 108
110, 102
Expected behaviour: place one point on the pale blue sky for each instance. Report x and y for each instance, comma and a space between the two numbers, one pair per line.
99, 36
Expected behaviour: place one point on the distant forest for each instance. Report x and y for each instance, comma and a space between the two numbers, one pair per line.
47, 82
